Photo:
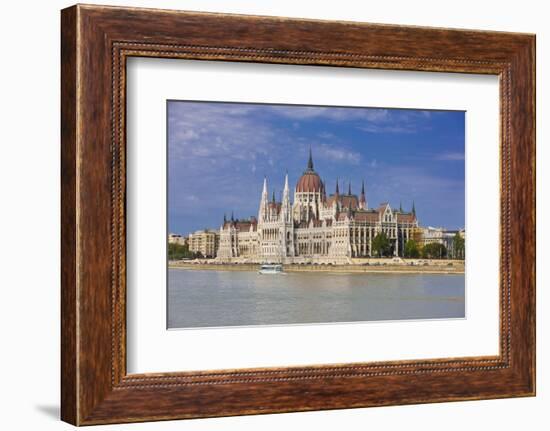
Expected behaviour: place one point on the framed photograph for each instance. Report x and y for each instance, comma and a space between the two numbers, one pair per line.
265, 215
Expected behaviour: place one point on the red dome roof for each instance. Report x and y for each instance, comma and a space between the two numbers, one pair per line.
309, 182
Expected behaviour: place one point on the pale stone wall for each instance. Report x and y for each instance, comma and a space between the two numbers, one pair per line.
204, 241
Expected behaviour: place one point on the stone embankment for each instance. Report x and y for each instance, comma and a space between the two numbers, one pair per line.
404, 266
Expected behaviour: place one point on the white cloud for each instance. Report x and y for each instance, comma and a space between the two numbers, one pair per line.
450, 157
330, 113
204, 130
337, 154
375, 128
399, 122
326, 135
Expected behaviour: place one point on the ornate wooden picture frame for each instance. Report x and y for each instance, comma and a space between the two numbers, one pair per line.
96, 41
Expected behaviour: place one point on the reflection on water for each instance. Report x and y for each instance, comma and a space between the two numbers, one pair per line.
241, 298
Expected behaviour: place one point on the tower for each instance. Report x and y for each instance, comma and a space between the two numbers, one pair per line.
337, 192
310, 161
363, 198
286, 210
286, 223
262, 212
308, 194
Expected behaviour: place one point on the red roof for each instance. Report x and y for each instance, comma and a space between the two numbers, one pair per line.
330, 200
309, 182
349, 200
365, 216
345, 201
244, 226
407, 217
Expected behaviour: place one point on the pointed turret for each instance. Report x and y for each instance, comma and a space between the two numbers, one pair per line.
336, 200
286, 209
224, 218
286, 189
273, 197
362, 198
264, 190
232, 218
310, 161
400, 207
349, 188
413, 210
262, 212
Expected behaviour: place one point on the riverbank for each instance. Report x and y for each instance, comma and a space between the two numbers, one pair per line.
447, 267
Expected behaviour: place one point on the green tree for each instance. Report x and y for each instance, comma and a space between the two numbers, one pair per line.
458, 246
179, 251
381, 245
411, 249
434, 251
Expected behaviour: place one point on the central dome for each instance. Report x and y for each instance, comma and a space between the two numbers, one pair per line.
310, 181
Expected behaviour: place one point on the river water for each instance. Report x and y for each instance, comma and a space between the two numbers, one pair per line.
198, 298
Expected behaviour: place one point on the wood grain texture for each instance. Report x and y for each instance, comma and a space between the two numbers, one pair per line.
96, 41
69, 367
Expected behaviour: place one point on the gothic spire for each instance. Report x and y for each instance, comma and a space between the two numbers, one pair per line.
262, 211
310, 161
349, 188
224, 218
337, 188
264, 190
285, 202
362, 198
400, 207
413, 210
232, 218
273, 196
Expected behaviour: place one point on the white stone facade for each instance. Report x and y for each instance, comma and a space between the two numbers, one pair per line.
313, 227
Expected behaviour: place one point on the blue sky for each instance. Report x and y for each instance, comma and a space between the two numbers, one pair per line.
218, 154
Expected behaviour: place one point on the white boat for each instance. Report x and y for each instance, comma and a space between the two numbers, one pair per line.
270, 268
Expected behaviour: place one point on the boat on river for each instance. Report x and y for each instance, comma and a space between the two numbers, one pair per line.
271, 269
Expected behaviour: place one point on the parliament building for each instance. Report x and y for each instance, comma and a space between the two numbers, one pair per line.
313, 226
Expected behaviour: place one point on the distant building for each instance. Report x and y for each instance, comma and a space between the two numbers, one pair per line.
314, 227
439, 235
205, 242
175, 238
